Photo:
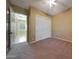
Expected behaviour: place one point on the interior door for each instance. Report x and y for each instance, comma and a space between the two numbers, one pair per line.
12, 26
8, 30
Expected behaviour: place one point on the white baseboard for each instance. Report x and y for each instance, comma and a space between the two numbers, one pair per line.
50, 37
36, 41
61, 39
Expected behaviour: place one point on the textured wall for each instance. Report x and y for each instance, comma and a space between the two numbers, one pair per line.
62, 25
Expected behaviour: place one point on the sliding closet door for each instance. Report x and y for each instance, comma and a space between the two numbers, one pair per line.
43, 27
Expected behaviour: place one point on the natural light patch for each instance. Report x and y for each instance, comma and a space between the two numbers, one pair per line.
20, 16
20, 39
21, 28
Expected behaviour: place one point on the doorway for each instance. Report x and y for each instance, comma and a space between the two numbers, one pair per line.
20, 28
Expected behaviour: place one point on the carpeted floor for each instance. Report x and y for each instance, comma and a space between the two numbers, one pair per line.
44, 49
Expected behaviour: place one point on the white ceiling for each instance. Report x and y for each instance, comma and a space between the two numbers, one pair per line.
43, 5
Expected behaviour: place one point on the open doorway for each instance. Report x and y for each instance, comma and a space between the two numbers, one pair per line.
19, 28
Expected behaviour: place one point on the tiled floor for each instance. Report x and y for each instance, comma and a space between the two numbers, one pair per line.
20, 39
45, 49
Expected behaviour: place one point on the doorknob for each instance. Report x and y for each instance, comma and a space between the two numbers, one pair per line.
9, 32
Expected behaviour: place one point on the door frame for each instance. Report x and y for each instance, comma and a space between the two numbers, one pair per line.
8, 31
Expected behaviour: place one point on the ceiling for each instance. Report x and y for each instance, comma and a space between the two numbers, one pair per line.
44, 6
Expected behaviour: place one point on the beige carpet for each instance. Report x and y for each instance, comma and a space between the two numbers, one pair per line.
45, 49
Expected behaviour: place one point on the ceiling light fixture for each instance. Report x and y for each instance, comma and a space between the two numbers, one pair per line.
52, 2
